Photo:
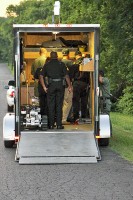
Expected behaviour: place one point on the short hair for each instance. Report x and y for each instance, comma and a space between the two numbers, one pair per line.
53, 54
42, 50
101, 72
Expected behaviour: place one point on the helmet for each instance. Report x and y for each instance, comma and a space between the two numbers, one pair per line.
65, 52
77, 52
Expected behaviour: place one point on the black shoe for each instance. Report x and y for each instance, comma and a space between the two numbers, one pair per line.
51, 127
60, 127
73, 120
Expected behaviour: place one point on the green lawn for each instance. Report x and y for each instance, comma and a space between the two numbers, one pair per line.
122, 139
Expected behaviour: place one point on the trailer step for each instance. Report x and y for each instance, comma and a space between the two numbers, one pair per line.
57, 147
57, 160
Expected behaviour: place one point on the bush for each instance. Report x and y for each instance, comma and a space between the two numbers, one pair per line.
125, 104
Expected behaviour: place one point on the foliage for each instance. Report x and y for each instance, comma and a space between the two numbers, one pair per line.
122, 139
2, 41
125, 104
116, 38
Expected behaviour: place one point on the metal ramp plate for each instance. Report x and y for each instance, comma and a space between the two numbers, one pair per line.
57, 147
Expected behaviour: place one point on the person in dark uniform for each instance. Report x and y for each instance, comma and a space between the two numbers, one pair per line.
80, 84
41, 92
56, 72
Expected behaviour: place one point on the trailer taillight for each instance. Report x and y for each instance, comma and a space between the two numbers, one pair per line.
12, 94
17, 138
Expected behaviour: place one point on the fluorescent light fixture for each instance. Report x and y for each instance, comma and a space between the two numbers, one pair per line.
55, 33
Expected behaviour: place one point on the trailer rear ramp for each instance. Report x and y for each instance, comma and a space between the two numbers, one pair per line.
57, 147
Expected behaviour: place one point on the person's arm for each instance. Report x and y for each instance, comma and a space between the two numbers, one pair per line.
69, 83
42, 83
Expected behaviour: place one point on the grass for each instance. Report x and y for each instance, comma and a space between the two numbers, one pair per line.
11, 68
122, 139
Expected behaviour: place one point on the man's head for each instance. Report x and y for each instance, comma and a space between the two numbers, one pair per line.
53, 55
78, 53
101, 72
65, 52
42, 51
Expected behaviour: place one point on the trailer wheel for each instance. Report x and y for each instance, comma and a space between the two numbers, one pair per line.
9, 108
104, 142
9, 144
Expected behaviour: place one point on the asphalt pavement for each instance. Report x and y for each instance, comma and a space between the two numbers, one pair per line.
109, 179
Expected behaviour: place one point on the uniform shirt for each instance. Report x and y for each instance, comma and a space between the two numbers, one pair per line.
76, 74
68, 64
54, 69
39, 62
74, 70
105, 87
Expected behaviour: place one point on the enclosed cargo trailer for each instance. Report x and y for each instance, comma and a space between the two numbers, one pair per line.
76, 143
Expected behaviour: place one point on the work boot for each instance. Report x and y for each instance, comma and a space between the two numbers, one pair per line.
51, 127
60, 127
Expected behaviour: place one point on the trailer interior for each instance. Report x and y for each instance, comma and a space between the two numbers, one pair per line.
57, 41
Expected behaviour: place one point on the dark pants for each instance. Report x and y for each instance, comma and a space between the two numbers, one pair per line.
79, 101
55, 97
43, 104
42, 100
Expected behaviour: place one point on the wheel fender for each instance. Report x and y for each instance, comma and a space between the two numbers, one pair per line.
105, 126
9, 126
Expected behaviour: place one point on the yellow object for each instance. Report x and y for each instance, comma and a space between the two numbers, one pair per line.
82, 48
88, 67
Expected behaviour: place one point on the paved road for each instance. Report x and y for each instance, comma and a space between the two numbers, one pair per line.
109, 179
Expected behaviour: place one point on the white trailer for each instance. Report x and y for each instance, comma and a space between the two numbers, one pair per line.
76, 143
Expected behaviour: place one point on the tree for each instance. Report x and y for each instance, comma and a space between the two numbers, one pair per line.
114, 16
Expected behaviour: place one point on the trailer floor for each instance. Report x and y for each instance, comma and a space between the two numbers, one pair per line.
73, 144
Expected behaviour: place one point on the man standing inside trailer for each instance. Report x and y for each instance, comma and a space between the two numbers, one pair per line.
80, 84
56, 72
35, 71
38, 62
67, 104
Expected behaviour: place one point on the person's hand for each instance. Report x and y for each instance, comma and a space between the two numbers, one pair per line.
70, 89
45, 89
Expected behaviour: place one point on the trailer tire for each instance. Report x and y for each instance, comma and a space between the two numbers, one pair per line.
9, 108
9, 144
104, 142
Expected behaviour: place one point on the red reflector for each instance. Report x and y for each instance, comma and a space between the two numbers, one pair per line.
12, 94
17, 138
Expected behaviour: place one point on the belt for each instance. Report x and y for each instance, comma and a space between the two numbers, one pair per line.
56, 79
